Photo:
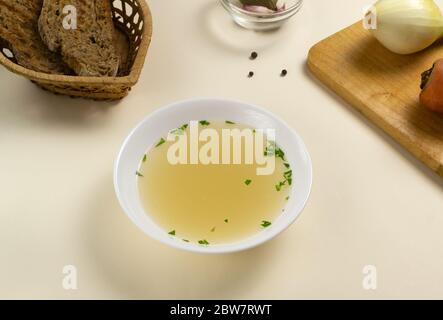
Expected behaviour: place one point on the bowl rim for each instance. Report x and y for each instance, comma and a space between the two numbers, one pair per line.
242, 244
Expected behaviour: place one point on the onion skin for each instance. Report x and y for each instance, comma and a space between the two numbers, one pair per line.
407, 26
431, 96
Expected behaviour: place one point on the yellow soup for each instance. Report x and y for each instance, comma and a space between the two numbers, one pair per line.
212, 203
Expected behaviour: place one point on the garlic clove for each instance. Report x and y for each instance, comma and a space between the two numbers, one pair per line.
281, 8
257, 9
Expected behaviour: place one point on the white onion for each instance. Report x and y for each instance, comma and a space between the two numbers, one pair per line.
407, 26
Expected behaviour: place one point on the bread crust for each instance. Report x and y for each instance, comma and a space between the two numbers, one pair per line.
89, 50
18, 26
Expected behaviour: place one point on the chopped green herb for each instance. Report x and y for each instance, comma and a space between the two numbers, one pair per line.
137, 173
203, 242
162, 141
213, 229
248, 182
287, 174
270, 149
204, 123
172, 233
145, 157
280, 154
226, 220
229, 122
253, 130
177, 132
265, 224
185, 240
280, 185
287, 198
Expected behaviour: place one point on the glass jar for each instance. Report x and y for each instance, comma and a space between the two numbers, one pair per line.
254, 18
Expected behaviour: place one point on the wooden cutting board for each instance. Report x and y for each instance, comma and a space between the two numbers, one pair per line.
384, 86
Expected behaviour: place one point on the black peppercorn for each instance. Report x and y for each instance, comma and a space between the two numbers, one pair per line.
284, 72
254, 55
250, 74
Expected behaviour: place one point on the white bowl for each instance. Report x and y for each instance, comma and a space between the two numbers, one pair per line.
161, 121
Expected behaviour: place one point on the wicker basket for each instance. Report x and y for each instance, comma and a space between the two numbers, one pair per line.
133, 18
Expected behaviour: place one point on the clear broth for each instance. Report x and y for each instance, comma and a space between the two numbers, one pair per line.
210, 204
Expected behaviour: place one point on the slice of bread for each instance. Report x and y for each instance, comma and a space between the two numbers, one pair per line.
88, 49
18, 27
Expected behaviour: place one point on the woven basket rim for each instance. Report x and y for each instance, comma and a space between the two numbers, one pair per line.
130, 79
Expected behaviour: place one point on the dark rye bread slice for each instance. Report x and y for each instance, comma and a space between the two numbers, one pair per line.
18, 27
89, 50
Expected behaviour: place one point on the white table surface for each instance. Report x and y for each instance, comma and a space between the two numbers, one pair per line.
371, 204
